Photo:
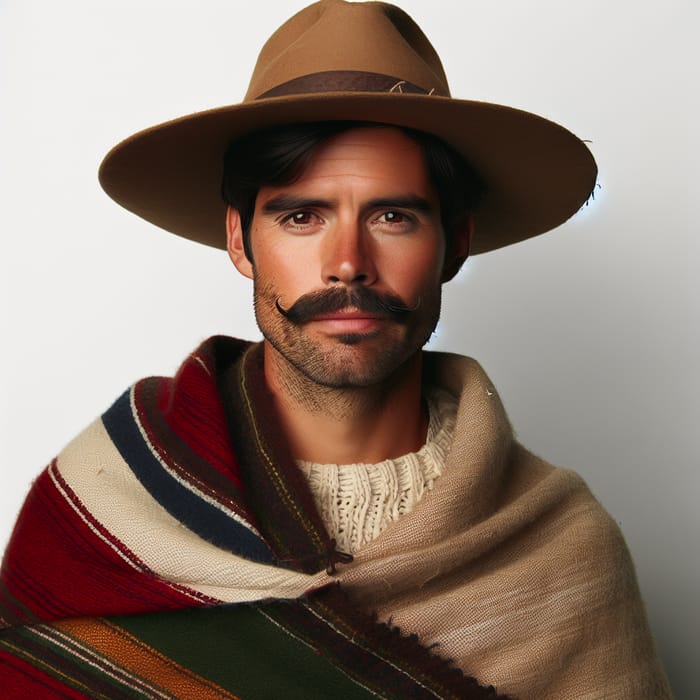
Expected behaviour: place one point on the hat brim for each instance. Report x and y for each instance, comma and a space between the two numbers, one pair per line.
537, 174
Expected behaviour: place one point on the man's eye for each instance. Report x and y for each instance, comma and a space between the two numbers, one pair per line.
300, 218
392, 217
396, 221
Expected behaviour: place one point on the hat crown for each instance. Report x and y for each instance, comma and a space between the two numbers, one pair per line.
334, 37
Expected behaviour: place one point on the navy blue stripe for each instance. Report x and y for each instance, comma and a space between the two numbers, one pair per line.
199, 516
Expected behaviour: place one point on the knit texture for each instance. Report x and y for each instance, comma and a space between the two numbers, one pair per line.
358, 501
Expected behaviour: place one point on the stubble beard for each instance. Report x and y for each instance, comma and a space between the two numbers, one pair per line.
345, 361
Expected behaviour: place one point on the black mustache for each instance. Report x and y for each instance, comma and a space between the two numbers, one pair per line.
313, 304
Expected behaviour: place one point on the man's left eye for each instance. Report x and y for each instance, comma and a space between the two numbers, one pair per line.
393, 217
301, 217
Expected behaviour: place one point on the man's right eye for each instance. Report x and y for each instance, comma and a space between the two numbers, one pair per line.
301, 217
300, 220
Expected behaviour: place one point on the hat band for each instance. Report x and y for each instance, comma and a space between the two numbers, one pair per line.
345, 81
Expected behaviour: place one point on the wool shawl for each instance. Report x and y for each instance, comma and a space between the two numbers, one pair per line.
173, 550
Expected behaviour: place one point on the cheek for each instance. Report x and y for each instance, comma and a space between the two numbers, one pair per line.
289, 273
420, 266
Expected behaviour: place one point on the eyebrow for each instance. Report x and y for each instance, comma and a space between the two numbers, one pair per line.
288, 202
409, 201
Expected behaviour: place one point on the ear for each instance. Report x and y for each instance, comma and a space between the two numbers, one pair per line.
459, 250
234, 243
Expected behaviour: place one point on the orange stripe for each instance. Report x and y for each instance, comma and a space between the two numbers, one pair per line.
131, 654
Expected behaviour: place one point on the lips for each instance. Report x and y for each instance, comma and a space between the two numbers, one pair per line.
348, 321
346, 315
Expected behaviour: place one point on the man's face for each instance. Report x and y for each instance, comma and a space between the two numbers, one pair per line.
360, 227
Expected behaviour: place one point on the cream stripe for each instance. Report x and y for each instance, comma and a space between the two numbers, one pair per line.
101, 479
54, 474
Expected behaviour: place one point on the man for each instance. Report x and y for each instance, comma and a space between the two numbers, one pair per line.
333, 511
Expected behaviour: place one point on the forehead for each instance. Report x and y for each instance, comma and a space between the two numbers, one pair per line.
369, 156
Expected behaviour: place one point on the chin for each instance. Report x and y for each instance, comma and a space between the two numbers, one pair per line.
347, 366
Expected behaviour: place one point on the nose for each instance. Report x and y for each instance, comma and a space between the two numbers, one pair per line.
347, 257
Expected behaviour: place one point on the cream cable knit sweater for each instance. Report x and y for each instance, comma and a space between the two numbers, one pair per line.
358, 501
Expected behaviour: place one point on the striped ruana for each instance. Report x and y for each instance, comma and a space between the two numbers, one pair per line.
173, 550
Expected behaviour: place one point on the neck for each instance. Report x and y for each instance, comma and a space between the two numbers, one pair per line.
352, 425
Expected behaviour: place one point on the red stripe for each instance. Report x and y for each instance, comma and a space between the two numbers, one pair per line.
56, 566
191, 405
21, 680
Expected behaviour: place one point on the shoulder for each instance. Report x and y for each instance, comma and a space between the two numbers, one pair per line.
552, 508
587, 533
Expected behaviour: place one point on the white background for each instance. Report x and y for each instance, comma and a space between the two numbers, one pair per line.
590, 332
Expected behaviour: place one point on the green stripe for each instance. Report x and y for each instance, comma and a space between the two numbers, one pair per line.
240, 649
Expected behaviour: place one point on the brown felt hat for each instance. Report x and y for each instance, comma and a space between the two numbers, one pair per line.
365, 61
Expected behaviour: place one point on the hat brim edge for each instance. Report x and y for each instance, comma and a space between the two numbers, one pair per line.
537, 173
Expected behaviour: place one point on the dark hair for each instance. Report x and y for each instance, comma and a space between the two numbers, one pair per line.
278, 156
